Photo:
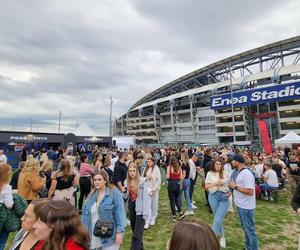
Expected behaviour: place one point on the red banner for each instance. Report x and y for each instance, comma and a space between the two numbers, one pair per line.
264, 136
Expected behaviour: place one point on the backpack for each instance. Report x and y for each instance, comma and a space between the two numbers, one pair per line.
236, 173
13, 220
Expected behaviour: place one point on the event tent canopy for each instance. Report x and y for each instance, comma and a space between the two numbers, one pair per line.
290, 138
84, 130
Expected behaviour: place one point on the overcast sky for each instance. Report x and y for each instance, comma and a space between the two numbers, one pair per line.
71, 55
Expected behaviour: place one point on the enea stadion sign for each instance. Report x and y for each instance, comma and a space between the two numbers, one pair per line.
281, 92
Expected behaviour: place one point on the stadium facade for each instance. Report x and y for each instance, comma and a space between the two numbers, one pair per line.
223, 102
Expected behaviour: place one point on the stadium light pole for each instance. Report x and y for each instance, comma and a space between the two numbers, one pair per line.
232, 106
59, 121
110, 115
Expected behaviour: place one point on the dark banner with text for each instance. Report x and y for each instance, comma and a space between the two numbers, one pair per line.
275, 93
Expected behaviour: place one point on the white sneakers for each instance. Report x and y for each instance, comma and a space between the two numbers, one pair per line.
222, 242
152, 222
193, 206
149, 223
189, 212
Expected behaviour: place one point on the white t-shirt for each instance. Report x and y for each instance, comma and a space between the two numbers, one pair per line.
192, 169
245, 179
259, 168
112, 163
228, 168
213, 177
153, 179
272, 179
6, 196
3, 158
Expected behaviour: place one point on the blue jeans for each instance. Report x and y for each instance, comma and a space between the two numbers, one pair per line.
267, 186
219, 205
268, 189
247, 221
186, 189
3, 238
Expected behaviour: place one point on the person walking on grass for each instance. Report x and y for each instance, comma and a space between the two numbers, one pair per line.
174, 176
243, 187
153, 178
138, 205
85, 181
216, 183
186, 183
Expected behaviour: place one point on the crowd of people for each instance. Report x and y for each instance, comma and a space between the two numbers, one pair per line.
117, 185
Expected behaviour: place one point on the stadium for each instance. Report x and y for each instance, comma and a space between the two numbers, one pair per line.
236, 100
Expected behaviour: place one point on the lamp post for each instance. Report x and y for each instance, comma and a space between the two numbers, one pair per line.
110, 115
59, 121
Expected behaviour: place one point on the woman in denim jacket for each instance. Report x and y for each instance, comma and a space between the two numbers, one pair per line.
105, 203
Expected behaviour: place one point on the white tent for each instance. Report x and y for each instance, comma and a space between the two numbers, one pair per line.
84, 130
290, 138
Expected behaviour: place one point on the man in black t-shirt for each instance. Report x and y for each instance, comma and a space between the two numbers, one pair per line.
120, 172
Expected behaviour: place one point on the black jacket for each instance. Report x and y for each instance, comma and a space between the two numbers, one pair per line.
296, 199
120, 173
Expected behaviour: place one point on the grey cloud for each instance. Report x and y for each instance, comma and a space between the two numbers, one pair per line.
82, 52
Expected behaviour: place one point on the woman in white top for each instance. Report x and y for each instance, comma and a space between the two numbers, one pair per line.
216, 183
153, 179
270, 182
6, 198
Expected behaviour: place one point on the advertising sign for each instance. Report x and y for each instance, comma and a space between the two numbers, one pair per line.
276, 93
19, 147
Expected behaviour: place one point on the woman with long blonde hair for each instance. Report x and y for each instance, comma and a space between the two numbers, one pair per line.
30, 182
138, 205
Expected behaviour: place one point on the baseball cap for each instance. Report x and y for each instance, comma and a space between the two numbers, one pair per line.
198, 154
239, 158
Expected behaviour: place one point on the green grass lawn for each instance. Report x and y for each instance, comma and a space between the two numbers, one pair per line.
277, 225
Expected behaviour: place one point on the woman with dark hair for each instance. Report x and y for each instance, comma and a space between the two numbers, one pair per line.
105, 167
186, 183
174, 176
97, 162
85, 181
192, 235
216, 183
63, 182
104, 204
59, 227
153, 179
26, 237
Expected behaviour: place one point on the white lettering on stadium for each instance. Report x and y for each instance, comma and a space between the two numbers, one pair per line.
265, 95
29, 138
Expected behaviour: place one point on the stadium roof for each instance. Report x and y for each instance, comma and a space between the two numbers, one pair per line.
203, 72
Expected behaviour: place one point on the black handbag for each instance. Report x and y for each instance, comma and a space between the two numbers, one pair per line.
103, 229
